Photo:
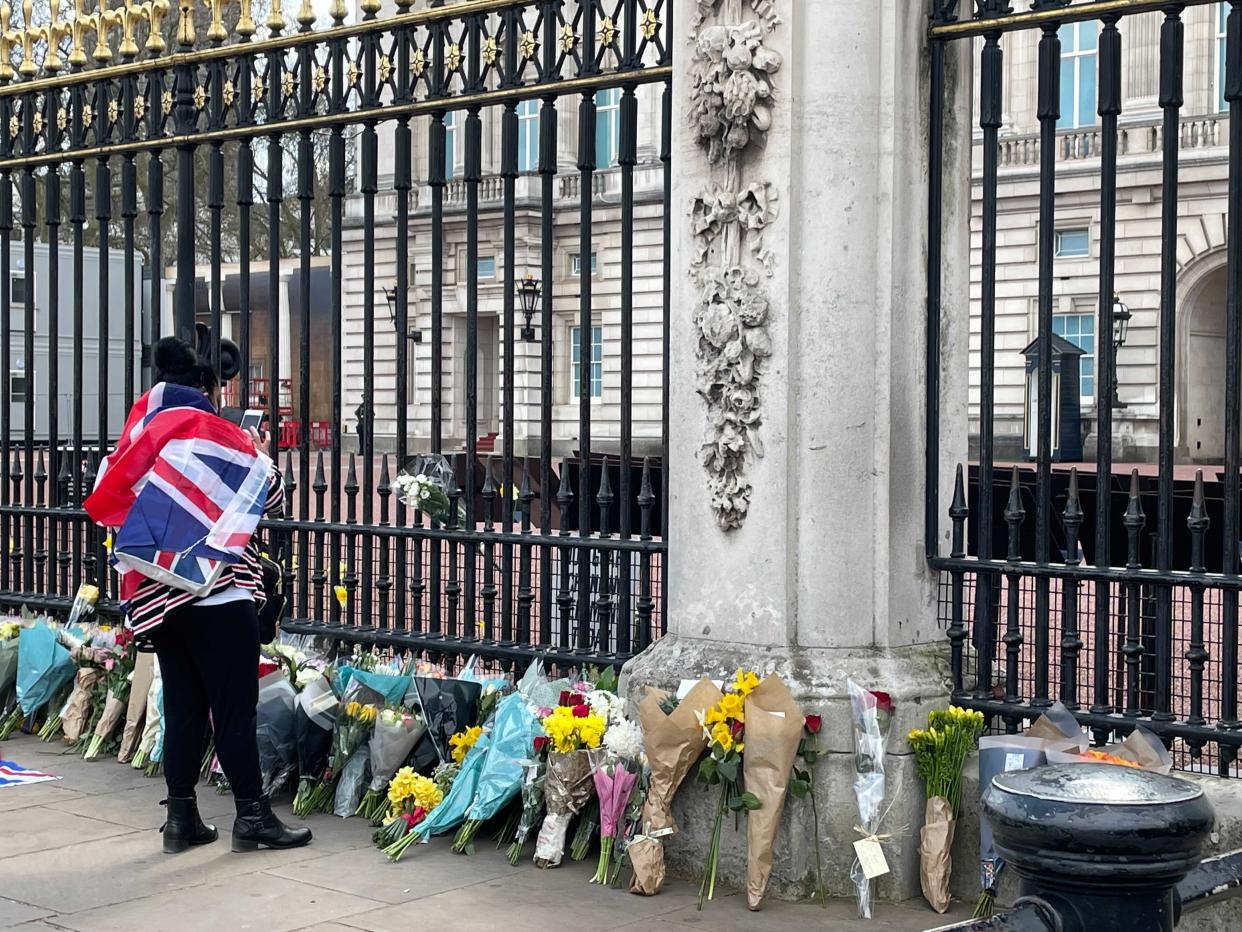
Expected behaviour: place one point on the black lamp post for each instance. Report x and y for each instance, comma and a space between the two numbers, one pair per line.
1121, 330
391, 295
528, 293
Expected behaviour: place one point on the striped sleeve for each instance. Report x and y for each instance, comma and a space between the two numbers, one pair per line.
275, 505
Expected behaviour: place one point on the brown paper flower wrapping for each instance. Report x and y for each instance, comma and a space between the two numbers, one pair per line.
647, 859
773, 729
77, 712
935, 857
673, 744
113, 709
567, 787
140, 685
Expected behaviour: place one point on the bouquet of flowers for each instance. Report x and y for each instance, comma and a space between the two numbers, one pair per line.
774, 726
573, 729
153, 718
459, 783
43, 668
75, 712
353, 727
513, 729
533, 771
276, 730
449, 707
424, 485
724, 728
673, 740
83, 604
872, 713
396, 732
615, 778
9, 631
940, 752
411, 799
118, 671
135, 714
315, 719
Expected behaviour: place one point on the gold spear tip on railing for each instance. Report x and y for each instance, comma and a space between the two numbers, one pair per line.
216, 31
7, 39
105, 20
245, 20
30, 35
275, 18
185, 25
306, 15
157, 12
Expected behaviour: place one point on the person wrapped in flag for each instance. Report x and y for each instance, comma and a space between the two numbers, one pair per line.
182, 495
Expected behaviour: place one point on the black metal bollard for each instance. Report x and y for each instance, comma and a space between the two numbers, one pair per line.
1102, 848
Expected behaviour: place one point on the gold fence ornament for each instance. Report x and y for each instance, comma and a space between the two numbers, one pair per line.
216, 31
132, 14
186, 36
157, 12
8, 40
53, 34
245, 20
104, 21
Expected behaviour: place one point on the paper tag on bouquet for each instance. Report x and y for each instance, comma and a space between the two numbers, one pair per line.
1015, 761
684, 687
871, 857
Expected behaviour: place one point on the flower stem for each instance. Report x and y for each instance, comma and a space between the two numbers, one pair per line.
465, 835
820, 893
605, 860
707, 887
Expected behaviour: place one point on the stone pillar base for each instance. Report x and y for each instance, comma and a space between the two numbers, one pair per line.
917, 679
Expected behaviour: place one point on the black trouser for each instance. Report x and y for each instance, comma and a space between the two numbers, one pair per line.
209, 661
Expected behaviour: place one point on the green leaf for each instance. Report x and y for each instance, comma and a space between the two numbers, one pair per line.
751, 802
799, 789
707, 771
736, 804
728, 769
811, 756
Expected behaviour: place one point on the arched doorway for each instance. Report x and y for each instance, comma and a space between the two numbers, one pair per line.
1204, 368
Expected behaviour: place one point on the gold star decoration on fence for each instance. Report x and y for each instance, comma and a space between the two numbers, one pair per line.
491, 51
569, 38
528, 45
649, 24
607, 31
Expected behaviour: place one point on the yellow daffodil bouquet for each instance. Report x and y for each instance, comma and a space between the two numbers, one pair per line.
411, 797
724, 726
940, 752
353, 728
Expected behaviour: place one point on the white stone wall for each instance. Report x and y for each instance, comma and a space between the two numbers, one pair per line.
1203, 180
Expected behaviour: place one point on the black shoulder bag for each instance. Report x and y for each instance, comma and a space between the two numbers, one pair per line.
273, 581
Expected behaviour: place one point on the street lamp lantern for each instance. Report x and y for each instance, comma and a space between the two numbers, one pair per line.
1121, 322
528, 293
391, 295
1121, 330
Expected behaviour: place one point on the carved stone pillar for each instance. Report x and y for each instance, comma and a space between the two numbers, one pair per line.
797, 386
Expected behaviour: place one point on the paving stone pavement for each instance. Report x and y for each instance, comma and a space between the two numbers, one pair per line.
83, 854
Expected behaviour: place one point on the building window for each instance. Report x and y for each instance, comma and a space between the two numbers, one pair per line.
607, 126
17, 289
450, 142
575, 264
1078, 66
528, 135
1079, 329
1071, 243
17, 387
597, 362
1222, 19
486, 267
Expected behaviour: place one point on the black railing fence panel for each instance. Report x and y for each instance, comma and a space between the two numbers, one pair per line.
294, 173
1117, 592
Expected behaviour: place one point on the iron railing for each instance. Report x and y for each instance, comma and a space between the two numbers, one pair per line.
1116, 595
256, 116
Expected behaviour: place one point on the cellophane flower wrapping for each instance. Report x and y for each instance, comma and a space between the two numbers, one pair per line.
872, 714
8, 660
152, 719
43, 667
452, 811
424, 484
614, 780
997, 754
533, 773
567, 788
513, 730
276, 730
396, 732
448, 706
315, 718
352, 783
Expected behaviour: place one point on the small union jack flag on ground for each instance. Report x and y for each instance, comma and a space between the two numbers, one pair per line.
12, 774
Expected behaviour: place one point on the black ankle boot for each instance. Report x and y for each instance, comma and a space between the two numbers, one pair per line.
256, 825
184, 827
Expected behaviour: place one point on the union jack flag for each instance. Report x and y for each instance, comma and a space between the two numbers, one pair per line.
185, 488
12, 774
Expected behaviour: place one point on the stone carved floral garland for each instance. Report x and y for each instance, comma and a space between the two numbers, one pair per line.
730, 109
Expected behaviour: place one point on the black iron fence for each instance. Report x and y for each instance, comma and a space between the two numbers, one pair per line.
1110, 589
241, 148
